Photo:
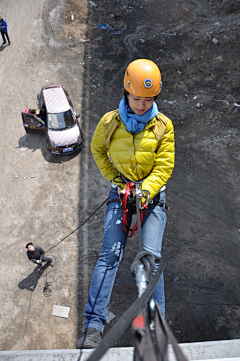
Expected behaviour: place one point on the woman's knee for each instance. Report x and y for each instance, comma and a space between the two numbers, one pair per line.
111, 257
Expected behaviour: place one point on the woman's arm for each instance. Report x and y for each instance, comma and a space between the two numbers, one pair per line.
100, 153
163, 165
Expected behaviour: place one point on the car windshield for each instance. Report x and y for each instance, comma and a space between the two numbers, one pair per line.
60, 121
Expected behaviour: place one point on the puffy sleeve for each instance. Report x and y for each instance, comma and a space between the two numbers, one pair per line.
100, 153
163, 164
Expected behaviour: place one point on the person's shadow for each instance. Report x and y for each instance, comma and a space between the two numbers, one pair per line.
30, 283
3, 46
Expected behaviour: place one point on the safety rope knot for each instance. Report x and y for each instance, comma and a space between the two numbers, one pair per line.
146, 258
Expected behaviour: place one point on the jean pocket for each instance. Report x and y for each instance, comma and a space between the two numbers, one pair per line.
113, 194
160, 197
163, 197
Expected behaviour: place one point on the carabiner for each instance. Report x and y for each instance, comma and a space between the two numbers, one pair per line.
147, 199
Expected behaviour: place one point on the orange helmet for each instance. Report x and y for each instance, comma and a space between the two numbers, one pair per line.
143, 78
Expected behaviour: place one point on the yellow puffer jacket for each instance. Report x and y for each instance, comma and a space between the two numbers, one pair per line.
140, 156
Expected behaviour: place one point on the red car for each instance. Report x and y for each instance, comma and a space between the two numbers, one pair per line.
56, 119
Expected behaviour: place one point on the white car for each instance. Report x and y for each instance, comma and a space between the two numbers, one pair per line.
56, 118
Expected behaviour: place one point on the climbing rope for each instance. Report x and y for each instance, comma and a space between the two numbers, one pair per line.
121, 325
146, 258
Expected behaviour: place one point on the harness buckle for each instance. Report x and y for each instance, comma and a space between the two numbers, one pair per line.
143, 193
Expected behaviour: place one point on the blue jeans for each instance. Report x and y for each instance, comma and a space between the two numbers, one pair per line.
114, 242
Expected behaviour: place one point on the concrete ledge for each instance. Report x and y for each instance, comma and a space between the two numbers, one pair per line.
224, 350
210, 350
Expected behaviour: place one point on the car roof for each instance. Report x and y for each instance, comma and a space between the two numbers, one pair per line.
55, 99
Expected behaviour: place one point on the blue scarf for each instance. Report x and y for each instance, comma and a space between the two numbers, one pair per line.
135, 123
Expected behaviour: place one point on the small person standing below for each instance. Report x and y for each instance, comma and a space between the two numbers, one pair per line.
3, 28
134, 143
37, 255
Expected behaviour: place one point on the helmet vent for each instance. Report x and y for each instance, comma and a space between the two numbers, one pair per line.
128, 83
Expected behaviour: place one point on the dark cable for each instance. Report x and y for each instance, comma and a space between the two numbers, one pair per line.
47, 289
78, 226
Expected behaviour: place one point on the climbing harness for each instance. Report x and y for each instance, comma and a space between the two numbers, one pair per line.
130, 197
127, 199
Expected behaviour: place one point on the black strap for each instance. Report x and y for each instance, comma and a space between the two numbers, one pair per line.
132, 201
126, 180
163, 205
